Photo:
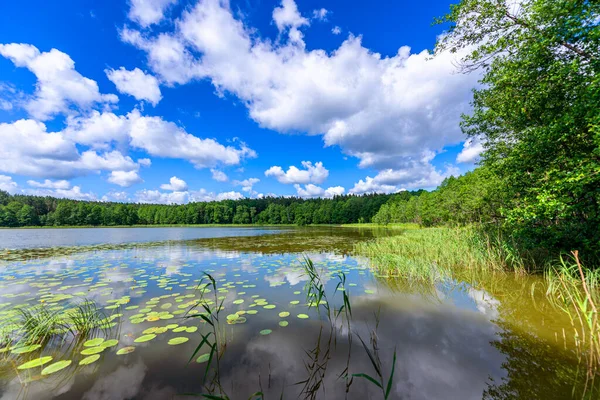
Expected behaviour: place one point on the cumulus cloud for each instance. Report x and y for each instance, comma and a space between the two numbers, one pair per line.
312, 191
154, 135
320, 14
316, 173
380, 109
59, 86
7, 184
218, 175
472, 148
336, 30
49, 184
124, 178
26, 148
73, 193
135, 83
148, 12
175, 184
247, 184
182, 197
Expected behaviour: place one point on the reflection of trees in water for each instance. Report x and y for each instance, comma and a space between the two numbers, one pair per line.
537, 369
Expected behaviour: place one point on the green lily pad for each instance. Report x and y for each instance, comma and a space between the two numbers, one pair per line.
284, 314
180, 329
90, 359
283, 323
26, 349
57, 366
191, 329
238, 301
294, 302
94, 342
93, 350
269, 306
35, 363
145, 338
265, 332
203, 358
369, 291
302, 316
177, 340
110, 343
126, 350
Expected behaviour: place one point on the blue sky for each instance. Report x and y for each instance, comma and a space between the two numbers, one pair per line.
176, 101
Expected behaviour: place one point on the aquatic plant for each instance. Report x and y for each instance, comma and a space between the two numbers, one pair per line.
39, 324
576, 291
432, 254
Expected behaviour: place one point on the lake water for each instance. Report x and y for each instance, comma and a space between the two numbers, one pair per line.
453, 340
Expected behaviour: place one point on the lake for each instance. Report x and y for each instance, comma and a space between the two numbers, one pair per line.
492, 339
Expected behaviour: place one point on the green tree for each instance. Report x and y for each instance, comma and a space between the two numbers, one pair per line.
537, 112
26, 216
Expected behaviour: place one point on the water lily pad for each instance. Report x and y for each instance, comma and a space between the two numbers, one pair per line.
26, 349
145, 338
94, 342
269, 306
126, 350
110, 343
35, 363
57, 366
294, 302
93, 350
369, 291
191, 329
251, 312
283, 323
177, 340
203, 358
180, 329
265, 332
89, 360
302, 316
284, 314
238, 301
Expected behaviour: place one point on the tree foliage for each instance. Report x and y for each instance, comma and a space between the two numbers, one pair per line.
537, 112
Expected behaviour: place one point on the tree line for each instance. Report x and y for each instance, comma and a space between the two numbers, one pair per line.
24, 210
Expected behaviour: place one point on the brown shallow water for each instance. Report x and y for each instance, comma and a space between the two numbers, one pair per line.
484, 337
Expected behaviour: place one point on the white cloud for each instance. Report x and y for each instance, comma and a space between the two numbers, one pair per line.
135, 83
116, 196
49, 184
26, 148
312, 191
247, 184
148, 12
414, 174
316, 173
59, 86
7, 184
382, 110
154, 135
175, 184
288, 16
218, 175
320, 14
144, 162
125, 178
336, 30
472, 148
182, 197
72, 193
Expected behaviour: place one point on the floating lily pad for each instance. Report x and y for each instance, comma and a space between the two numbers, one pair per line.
57, 366
283, 323
238, 301
35, 363
302, 316
145, 338
203, 358
177, 340
126, 350
110, 343
269, 306
265, 332
180, 329
90, 359
94, 342
294, 302
93, 350
284, 314
191, 329
369, 291
26, 349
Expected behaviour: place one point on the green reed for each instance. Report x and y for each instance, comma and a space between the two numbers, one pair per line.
432, 254
576, 291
